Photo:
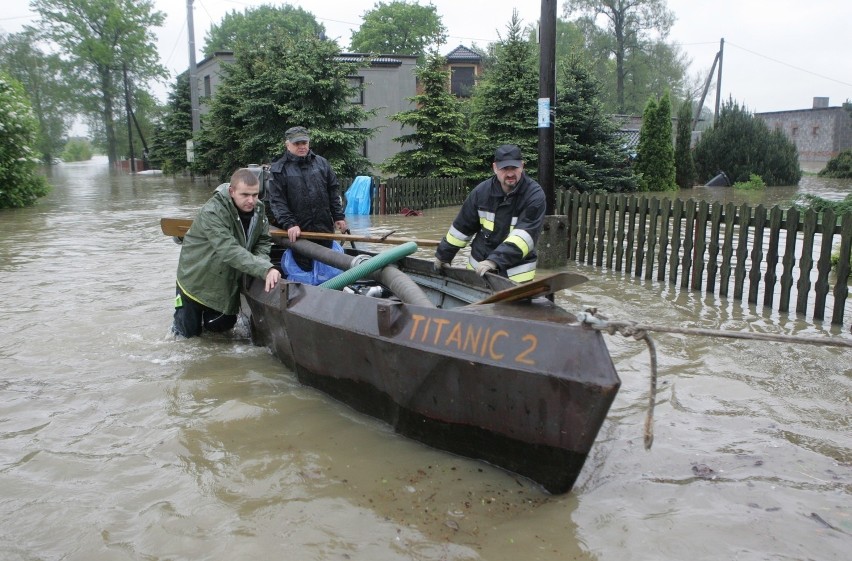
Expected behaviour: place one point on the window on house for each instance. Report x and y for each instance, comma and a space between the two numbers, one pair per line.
794, 131
207, 90
356, 83
461, 83
816, 131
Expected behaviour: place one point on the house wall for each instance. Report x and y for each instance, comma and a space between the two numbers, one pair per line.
388, 82
387, 89
819, 133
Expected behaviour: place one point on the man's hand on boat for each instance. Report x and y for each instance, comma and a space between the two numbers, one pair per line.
294, 232
438, 265
485, 266
273, 275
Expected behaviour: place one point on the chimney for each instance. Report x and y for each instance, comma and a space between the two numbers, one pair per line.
820, 102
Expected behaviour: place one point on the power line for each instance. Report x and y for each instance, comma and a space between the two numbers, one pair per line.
775, 60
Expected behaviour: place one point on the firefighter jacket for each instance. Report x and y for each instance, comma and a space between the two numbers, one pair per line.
502, 228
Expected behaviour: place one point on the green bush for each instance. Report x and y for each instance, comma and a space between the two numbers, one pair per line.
754, 183
20, 182
741, 144
839, 166
77, 150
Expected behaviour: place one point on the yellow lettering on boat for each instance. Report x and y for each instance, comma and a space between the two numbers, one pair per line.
416, 318
440, 323
497, 334
472, 339
533, 343
475, 340
485, 341
455, 336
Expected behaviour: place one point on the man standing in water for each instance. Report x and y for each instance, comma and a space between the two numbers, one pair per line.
503, 216
228, 238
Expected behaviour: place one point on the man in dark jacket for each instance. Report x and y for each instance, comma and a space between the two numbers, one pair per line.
228, 238
503, 217
304, 193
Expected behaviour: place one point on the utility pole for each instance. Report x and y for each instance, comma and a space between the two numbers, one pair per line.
719, 79
552, 247
546, 98
193, 80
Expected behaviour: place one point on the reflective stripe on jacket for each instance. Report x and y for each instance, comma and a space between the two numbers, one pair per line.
502, 228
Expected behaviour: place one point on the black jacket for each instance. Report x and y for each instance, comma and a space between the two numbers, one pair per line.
502, 228
304, 192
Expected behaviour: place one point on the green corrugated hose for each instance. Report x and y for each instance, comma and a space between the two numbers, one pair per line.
374, 263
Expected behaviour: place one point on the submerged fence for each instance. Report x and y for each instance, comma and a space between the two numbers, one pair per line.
737, 251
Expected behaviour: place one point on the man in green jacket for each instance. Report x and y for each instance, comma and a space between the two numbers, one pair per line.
228, 238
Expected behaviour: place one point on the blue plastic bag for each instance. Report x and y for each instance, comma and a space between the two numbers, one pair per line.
318, 275
358, 196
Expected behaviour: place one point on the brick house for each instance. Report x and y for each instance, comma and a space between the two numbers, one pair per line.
819, 133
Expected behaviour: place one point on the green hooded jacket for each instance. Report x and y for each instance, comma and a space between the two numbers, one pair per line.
215, 253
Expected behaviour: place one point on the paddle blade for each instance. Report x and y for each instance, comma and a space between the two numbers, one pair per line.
539, 287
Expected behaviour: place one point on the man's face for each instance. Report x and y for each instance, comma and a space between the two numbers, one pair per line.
508, 176
299, 148
244, 196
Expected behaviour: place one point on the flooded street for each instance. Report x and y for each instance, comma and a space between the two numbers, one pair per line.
118, 442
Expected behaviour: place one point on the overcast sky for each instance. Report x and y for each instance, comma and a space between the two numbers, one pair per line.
778, 55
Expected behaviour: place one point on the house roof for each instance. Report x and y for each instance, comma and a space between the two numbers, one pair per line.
375, 60
463, 54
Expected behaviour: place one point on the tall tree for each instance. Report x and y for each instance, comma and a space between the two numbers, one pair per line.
589, 155
254, 25
684, 164
42, 78
398, 27
439, 141
631, 24
504, 104
99, 38
655, 160
20, 183
290, 81
168, 144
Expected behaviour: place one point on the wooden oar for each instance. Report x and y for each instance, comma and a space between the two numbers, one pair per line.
539, 287
177, 227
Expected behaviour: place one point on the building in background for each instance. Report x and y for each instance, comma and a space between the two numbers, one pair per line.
388, 82
819, 133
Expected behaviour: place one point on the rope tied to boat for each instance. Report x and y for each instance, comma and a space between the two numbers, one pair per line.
595, 320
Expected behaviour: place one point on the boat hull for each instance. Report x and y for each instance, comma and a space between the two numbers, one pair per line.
521, 385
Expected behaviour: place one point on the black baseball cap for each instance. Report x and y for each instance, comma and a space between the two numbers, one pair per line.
508, 155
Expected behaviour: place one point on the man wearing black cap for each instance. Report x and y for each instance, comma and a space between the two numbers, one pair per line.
501, 219
304, 193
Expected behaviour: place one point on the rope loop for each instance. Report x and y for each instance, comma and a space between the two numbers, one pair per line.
592, 318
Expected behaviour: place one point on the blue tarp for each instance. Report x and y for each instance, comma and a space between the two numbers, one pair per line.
358, 196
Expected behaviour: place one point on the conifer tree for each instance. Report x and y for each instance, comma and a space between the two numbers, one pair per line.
505, 101
655, 158
684, 164
741, 144
168, 145
286, 83
438, 141
589, 156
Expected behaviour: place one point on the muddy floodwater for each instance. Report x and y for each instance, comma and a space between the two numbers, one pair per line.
118, 442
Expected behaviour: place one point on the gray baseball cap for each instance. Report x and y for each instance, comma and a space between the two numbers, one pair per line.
297, 134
